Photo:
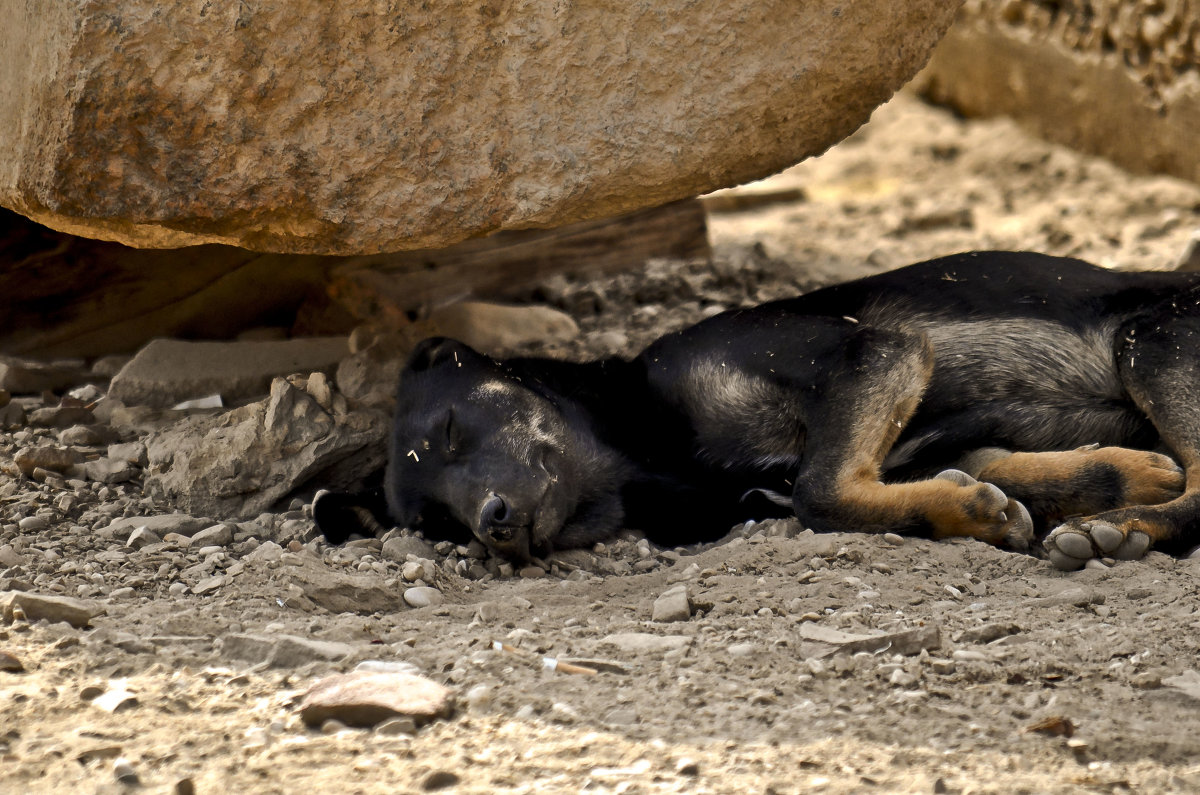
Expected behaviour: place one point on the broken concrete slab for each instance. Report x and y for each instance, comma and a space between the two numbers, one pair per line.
168, 371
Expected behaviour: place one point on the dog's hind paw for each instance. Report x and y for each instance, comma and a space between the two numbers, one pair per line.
1071, 545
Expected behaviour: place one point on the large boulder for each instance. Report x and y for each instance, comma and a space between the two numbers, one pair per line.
359, 127
1111, 77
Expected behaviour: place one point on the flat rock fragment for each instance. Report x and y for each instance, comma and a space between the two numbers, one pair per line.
364, 699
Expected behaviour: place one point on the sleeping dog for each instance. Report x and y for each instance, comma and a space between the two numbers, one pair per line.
989, 395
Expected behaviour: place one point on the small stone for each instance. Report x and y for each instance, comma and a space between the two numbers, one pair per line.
687, 766
115, 700
644, 642
34, 606
61, 417
33, 524
439, 779
9, 663
110, 470
217, 535
141, 537
413, 570
366, 699
393, 727
894, 539
209, 584
531, 572
563, 713
55, 459
266, 552
130, 452
741, 649
398, 549
10, 557
478, 697
673, 605
124, 772
423, 596
177, 589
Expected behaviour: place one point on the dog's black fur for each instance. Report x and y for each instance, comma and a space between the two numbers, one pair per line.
1039, 382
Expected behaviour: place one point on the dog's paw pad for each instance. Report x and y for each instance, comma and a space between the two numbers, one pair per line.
1133, 547
1105, 536
1076, 545
1071, 545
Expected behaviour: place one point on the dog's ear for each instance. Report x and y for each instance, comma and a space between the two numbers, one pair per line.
435, 350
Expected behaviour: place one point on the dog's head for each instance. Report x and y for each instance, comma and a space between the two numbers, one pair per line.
476, 444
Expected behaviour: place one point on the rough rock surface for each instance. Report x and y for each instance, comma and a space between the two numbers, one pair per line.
359, 127
1114, 77
243, 461
166, 372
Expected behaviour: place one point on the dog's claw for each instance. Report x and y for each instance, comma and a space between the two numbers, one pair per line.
956, 476
1020, 526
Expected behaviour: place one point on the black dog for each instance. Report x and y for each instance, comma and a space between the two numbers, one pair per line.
1037, 382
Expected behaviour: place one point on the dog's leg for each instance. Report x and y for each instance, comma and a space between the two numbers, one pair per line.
838, 485
1158, 363
1081, 482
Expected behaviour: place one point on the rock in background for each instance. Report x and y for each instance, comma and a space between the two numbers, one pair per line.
362, 127
1116, 78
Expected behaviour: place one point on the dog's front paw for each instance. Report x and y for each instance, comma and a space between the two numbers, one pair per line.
1071, 545
998, 519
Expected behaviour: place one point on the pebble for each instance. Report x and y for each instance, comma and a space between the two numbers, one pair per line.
10, 557
413, 570
9, 663
36, 606
423, 596
399, 548
394, 727
894, 539
563, 713
219, 535
674, 604
531, 572
124, 772
967, 655
33, 524
141, 537
266, 552
366, 699
478, 697
439, 779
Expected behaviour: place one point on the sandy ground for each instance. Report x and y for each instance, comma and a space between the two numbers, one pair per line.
1027, 680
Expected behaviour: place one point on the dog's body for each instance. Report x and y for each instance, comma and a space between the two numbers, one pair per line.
1046, 379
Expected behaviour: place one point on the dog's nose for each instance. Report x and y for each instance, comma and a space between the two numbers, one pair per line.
493, 513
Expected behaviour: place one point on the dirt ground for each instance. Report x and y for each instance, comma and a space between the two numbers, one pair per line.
1027, 680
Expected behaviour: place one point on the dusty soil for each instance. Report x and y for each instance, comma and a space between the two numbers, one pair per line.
1039, 681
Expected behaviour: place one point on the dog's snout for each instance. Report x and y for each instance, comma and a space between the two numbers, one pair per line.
494, 513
